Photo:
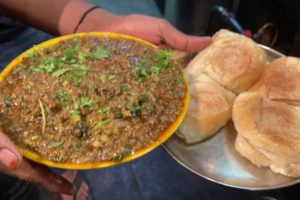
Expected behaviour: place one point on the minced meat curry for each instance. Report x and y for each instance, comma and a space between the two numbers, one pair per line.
90, 99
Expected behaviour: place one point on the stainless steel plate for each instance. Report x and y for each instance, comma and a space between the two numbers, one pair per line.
217, 160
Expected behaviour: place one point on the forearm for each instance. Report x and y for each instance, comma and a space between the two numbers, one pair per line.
96, 20
61, 17
58, 17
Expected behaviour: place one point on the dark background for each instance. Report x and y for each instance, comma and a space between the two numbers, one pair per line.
264, 18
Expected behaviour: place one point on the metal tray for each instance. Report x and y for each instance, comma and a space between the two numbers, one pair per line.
217, 160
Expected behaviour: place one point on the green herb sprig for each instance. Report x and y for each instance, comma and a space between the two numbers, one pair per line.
43, 116
162, 61
135, 110
101, 123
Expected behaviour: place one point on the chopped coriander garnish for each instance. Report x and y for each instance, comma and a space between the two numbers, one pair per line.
35, 69
142, 69
59, 72
103, 110
111, 77
142, 99
75, 115
55, 144
154, 70
127, 149
135, 111
85, 101
75, 112
68, 55
101, 123
43, 116
163, 58
142, 72
62, 95
101, 53
77, 76
58, 66
162, 61
17, 70
51, 65
124, 89
82, 55
79, 66
5, 100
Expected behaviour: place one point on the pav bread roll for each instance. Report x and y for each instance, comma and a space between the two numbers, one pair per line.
209, 109
281, 81
268, 132
263, 158
231, 64
233, 60
267, 118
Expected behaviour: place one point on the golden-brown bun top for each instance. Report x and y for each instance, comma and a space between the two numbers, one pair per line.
233, 60
270, 125
281, 80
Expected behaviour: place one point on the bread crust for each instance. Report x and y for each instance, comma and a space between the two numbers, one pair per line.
267, 118
230, 65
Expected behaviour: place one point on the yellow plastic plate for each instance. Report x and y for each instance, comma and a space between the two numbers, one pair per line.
162, 138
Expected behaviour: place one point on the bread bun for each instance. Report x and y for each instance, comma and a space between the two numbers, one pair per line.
233, 60
230, 65
267, 119
209, 109
281, 81
263, 158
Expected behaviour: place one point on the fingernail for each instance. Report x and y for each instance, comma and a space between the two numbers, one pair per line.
8, 158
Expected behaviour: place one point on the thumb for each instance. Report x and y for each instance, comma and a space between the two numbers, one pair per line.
11, 163
9, 155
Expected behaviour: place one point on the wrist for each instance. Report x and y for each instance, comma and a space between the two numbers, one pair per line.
71, 15
98, 20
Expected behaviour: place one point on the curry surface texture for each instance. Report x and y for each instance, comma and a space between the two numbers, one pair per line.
90, 99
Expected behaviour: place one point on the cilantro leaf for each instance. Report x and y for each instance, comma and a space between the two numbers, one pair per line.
163, 58
142, 99
101, 123
135, 111
101, 53
103, 110
63, 95
85, 101
59, 72
55, 144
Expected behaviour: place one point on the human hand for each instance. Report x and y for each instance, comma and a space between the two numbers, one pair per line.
12, 163
62, 16
155, 30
